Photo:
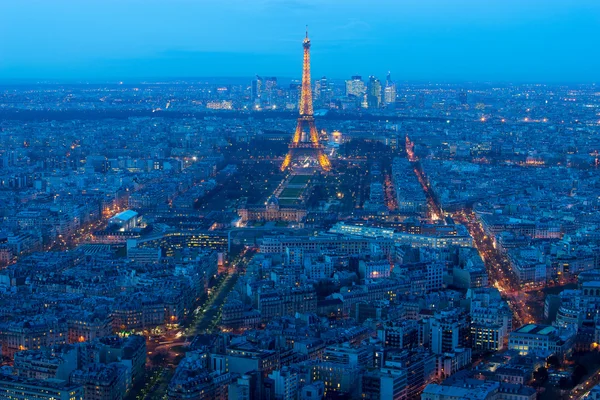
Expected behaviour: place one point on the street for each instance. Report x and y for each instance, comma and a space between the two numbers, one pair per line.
167, 350
497, 265
498, 268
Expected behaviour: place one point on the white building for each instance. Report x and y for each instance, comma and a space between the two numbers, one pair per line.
374, 269
125, 220
542, 340
286, 383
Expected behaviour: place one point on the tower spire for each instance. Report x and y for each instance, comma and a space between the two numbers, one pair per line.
306, 106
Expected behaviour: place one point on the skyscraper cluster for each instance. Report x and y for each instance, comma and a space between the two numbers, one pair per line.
371, 94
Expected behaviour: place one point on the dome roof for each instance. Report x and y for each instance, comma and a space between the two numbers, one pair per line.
272, 200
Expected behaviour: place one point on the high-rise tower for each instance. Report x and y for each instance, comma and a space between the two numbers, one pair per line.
374, 93
306, 121
355, 87
257, 87
390, 90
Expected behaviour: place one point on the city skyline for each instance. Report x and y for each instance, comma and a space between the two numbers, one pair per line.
349, 236
497, 41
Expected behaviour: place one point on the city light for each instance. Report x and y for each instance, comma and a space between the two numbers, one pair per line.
221, 224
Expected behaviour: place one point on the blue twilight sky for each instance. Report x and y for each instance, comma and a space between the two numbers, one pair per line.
422, 40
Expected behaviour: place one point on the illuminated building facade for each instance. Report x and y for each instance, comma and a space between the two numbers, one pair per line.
15, 387
389, 95
272, 211
323, 91
355, 87
542, 340
374, 93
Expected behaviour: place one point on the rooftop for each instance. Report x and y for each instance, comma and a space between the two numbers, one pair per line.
126, 215
535, 329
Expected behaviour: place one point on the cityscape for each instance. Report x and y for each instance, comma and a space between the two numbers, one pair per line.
296, 238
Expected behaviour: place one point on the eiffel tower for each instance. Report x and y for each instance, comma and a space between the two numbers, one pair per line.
298, 148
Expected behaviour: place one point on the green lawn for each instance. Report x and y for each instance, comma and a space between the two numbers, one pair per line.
291, 193
300, 179
287, 202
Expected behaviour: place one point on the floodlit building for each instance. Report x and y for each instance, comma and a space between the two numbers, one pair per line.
542, 340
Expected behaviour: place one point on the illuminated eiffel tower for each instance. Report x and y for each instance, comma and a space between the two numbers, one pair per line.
298, 148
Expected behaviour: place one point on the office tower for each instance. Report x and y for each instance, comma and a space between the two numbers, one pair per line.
257, 88
318, 89
390, 90
355, 87
270, 89
270, 83
323, 90
374, 93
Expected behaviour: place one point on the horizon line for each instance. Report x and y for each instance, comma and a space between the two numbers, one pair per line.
197, 79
